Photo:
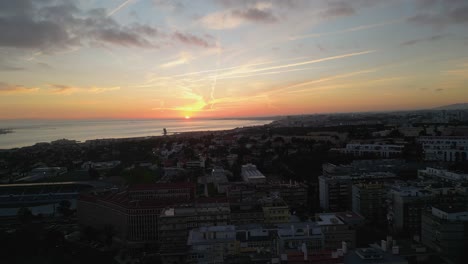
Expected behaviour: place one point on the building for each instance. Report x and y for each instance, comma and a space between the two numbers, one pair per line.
335, 185
240, 191
449, 148
373, 255
219, 179
378, 150
174, 224
41, 198
369, 201
307, 235
250, 174
133, 212
247, 213
335, 231
445, 230
442, 176
407, 204
212, 244
162, 191
335, 190
43, 173
295, 194
275, 210
256, 241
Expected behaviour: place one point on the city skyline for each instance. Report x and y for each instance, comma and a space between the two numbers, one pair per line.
227, 58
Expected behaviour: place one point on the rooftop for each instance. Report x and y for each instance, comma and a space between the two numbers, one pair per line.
328, 219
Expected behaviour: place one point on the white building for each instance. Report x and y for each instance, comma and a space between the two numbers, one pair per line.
445, 148
442, 175
212, 244
251, 174
381, 150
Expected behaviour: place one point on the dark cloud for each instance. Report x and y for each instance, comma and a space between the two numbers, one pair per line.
255, 15
420, 40
14, 88
191, 39
47, 26
460, 15
439, 13
338, 9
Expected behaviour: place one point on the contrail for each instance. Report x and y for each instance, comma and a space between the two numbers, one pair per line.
215, 80
308, 62
117, 9
358, 28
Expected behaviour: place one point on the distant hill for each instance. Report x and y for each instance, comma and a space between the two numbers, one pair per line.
461, 106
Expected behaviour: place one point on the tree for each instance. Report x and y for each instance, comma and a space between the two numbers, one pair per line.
24, 215
93, 173
64, 208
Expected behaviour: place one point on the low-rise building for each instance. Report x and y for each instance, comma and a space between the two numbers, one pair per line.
250, 174
442, 175
335, 231
379, 150
212, 244
275, 210
247, 213
447, 148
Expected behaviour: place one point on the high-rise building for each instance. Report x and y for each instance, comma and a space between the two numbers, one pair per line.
335, 184
369, 201
445, 230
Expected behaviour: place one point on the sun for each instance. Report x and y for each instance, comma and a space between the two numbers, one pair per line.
187, 117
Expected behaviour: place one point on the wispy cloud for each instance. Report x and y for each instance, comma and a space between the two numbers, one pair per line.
422, 40
348, 30
61, 89
6, 88
183, 58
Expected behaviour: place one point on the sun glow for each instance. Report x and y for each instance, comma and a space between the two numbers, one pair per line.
187, 117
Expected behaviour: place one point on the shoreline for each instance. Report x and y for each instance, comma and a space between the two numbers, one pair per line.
170, 134
4, 131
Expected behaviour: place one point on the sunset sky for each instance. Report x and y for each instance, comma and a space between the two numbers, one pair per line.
228, 58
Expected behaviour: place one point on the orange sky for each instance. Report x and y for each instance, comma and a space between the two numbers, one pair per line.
171, 59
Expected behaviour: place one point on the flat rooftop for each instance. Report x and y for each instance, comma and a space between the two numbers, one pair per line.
329, 219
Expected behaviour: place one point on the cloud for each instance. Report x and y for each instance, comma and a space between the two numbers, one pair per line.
338, 9
50, 27
420, 40
66, 89
14, 88
183, 58
454, 12
255, 15
260, 13
191, 39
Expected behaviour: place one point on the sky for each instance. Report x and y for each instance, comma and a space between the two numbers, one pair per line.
82, 59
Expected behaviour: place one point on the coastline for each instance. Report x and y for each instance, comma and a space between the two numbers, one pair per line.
48, 134
4, 131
